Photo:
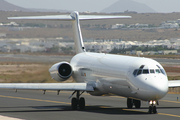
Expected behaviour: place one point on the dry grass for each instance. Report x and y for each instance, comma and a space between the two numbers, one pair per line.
26, 73
173, 73
126, 35
131, 35
149, 18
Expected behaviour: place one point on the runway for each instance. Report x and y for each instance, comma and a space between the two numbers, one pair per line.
57, 58
33, 105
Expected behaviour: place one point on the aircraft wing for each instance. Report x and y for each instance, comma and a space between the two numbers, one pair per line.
174, 83
48, 86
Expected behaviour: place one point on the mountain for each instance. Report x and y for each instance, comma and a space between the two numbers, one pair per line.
5, 6
47, 10
128, 5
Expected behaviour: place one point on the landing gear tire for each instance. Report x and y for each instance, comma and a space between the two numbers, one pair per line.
150, 109
137, 103
129, 103
154, 110
82, 103
74, 103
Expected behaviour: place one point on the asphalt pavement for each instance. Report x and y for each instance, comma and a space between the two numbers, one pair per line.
33, 105
58, 58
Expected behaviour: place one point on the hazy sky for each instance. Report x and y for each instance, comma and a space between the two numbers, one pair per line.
162, 5
79, 5
94, 5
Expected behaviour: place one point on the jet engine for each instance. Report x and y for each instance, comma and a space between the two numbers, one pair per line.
61, 71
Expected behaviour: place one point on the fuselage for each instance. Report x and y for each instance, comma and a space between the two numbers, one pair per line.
136, 77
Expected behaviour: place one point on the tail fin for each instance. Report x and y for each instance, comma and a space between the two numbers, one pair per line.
79, 45
74, 17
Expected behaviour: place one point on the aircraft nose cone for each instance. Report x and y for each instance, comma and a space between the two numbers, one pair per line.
159, 88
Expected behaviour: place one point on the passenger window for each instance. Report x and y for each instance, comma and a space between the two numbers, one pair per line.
145, 71
158, 71
152, 71
139, 72
135, 71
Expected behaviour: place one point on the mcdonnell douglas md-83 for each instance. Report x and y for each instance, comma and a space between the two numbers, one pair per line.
136, 78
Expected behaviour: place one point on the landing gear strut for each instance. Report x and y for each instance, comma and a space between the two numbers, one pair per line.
152, 107
131, 102
75, 102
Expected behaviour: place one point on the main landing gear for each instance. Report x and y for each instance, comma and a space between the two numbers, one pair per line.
77, 101
131, 102
152, 107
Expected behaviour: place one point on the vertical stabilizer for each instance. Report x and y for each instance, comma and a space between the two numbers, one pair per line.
74, 17
79, 45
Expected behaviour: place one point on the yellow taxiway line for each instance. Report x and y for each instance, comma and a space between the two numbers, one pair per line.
58, 102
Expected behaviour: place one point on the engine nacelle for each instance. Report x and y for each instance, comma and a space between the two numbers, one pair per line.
61, 71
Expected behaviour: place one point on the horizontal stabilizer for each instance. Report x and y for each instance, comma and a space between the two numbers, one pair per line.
69, 17
51, 17
174, 83
48, 86
96, 17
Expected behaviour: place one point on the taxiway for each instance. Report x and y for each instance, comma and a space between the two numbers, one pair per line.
33, 105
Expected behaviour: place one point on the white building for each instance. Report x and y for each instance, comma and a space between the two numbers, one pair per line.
10, 24
117, 26
137, 25
170, 24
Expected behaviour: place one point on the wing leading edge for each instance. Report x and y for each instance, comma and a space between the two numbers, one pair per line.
48, 86
174, 83
68, 17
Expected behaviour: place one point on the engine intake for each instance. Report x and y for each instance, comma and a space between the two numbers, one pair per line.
61, 71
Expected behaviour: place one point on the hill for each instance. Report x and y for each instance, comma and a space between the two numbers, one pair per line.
5, 6
128, 5
47, 10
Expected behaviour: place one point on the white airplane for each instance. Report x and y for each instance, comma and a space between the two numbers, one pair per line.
136, 78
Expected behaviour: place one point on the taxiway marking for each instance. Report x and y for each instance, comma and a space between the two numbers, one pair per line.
39, 100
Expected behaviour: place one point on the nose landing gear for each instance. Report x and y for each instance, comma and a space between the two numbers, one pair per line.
137, 104
152, 107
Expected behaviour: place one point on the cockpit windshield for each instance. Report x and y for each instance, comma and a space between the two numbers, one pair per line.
141, 70
158, 71
145, 71
152, 71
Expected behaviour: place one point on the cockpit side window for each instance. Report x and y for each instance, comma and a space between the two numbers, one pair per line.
139, 72
142, 66
163, 72
158, 66
135, 72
